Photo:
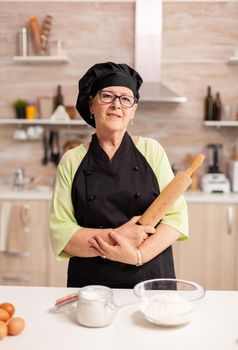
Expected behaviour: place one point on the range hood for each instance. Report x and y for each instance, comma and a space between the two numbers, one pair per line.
148, 43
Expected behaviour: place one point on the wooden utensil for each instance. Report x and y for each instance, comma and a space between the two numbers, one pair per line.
34, 25
195, 183
170, 194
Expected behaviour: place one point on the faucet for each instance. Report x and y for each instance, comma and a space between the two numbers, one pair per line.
18, 178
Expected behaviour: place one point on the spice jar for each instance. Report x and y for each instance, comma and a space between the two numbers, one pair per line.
95, 306
30, 110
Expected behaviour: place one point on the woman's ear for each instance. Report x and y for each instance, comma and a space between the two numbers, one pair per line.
90, 103
134, 108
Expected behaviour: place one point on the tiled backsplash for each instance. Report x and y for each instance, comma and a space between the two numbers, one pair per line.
198, 39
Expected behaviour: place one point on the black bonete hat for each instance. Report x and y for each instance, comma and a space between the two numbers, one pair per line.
100, 76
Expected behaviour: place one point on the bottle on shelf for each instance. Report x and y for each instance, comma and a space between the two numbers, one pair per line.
208, 105
30, 110
45, 33
59, 99
22, 49
217, 107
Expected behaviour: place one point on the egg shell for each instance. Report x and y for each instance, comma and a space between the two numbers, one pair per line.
8, 307
15, 325
3, 330
4, 315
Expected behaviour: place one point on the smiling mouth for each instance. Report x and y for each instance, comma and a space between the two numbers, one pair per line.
114, 115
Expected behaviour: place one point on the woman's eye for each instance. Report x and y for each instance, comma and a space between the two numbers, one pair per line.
125, 99
106, 95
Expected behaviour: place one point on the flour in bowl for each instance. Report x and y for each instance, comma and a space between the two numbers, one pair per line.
167, 309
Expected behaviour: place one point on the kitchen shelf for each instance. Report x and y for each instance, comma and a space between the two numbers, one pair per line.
193, 61
233, 60
13, 121
221, 123
41, 59
120, 1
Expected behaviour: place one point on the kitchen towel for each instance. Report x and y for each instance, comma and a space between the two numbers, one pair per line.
60, 114
16, 239
5, 214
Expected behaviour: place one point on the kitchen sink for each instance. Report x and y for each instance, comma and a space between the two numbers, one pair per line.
36, 192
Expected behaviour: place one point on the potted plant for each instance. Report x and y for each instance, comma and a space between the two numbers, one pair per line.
19, 106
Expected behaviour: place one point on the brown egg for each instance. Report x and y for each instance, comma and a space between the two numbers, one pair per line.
4, 315
15, 325
8, 307
3, 330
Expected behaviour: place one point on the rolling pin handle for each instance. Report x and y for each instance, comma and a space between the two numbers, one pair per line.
196, 163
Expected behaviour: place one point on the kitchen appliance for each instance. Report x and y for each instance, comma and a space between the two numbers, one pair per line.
148, 49
233, 172
170, 194
214, 181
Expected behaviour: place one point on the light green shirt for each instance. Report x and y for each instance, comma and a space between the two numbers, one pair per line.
62, 222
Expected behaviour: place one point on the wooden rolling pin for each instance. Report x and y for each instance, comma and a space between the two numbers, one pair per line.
170, 194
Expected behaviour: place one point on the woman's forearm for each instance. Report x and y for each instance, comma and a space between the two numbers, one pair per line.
165, 236
123, 251
79, 246
135, 234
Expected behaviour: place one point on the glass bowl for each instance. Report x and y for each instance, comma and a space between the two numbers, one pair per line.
168, 302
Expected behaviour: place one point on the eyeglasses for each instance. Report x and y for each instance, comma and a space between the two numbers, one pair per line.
109, 97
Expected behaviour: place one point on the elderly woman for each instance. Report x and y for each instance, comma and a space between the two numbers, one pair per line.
103, 187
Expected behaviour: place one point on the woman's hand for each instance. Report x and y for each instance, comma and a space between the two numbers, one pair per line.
132, 232
123, 251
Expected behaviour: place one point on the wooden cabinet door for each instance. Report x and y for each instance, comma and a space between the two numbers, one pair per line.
24, 261
57, 270
236, 244
209, 256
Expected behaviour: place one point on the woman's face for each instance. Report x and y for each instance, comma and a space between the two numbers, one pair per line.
112, 116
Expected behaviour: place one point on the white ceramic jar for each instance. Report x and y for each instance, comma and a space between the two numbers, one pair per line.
95, 307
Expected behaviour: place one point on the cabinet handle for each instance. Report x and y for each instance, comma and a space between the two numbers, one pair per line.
25, 214
229, 219
23, 254
16, 278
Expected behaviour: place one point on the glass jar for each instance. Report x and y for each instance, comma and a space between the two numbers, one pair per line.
30, 110
95, 306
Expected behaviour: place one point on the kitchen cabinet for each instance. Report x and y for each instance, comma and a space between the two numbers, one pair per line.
56, 274
209, 256
24, 259
28, 258
57, 270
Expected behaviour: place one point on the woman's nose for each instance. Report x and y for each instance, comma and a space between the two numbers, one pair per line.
116, 103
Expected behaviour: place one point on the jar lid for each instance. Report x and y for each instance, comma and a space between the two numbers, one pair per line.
95, 293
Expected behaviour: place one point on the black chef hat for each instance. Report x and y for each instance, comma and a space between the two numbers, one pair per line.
100, 76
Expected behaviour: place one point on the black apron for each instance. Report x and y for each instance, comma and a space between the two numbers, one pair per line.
106, 194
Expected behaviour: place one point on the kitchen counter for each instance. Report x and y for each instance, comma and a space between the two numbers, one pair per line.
37, 193
45, 193
213, 327
201, 197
